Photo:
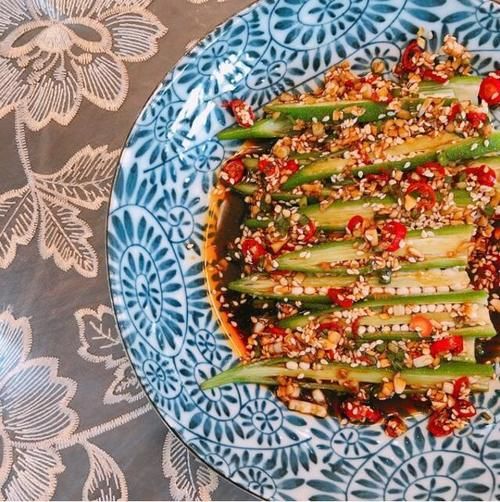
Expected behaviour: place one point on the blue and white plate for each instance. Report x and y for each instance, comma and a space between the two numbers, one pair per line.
156, 227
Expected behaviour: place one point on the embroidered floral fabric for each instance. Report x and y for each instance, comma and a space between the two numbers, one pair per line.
74, 422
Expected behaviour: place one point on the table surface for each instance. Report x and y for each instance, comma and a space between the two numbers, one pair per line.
75, 424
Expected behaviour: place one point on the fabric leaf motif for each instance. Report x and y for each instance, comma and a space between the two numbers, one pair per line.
105, 81
85, 180
18, 222
125, 386
100, 344
100, 341
31, 393
189, 478
134, 33
35, 415
15, 336
64, 237
33, 475
105, 480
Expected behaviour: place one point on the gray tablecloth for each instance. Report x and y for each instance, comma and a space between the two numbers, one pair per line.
74, 423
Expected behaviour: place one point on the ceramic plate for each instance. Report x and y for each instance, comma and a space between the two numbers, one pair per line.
156, 228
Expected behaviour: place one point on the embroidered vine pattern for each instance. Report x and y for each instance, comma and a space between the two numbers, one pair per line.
31, 460
51, 59
48, 66
100, 344
31, 444
51, 204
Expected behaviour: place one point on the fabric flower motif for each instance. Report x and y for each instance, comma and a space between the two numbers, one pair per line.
54, 53
34, 415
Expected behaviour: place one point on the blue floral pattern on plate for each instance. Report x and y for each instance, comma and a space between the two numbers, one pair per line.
155, 237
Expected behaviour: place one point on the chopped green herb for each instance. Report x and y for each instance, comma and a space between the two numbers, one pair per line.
385, 275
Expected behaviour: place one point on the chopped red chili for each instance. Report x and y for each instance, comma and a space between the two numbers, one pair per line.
407, 59
243, 113
354, 223
489, 90
309, 230
427, 197
476, 118
254, 249
233, 171
453, 344
459, 386
355, 326
483, 174
464, 409
268, 167
381, 178
291, 165
276, 330
455, 109
394, 425
427, 74
370, 78
339, 297
393, 233
357, 411
349, 84
440, 424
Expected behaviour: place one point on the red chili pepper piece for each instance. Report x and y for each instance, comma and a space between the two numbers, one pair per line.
356, 411
349, 84
373, 415
381, 178
395, 426
354, 223
393, 233
254, 249
292, 165
339, 297
233, 171
453, 344
464, 409
439, 424
425, 191
476, 118
432, 75
330, 325
455, 109
459, 386
267, 167
422, 324
489, 90
412, 50
483, 174
355, 326
434, 168
276, 330
243, 113
309, 230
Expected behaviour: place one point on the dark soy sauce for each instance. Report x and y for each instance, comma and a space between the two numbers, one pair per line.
231, 215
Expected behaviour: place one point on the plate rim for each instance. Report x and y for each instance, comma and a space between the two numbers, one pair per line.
185, 55
126, 347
